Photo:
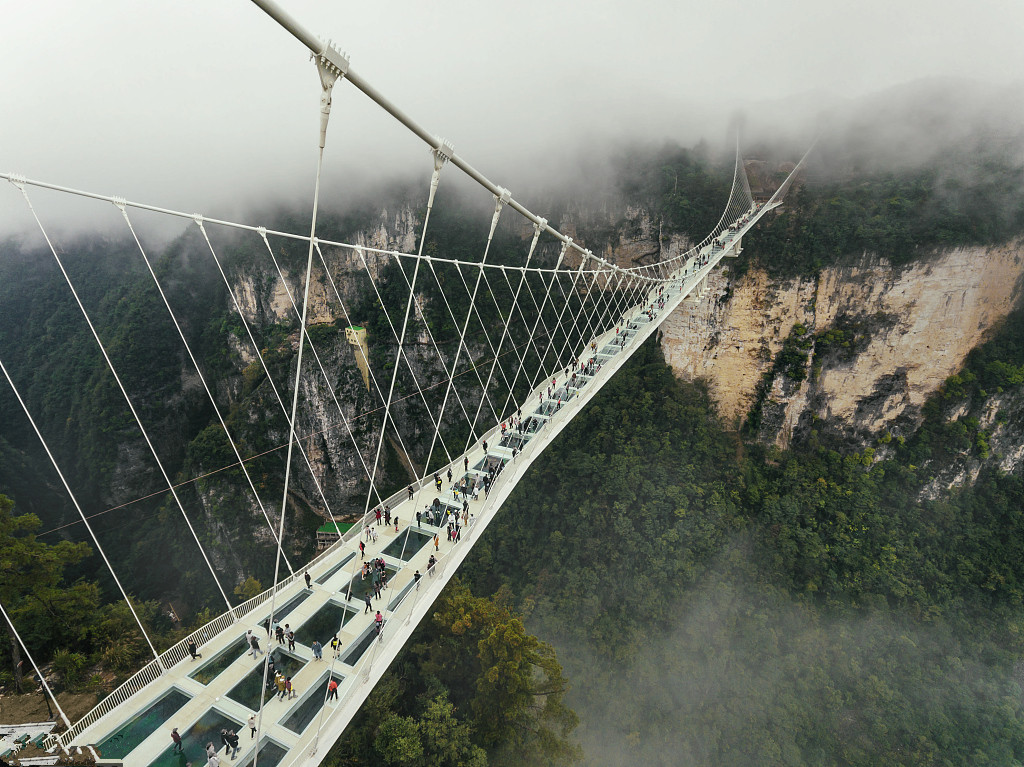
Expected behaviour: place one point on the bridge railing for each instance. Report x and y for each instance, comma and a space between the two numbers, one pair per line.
179, 651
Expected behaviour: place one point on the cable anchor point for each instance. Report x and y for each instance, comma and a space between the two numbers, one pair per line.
331, 64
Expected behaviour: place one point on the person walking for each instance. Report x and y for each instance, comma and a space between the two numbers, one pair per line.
252, 725
416, 579
377, 513
193, 650
335, 645
419, 522
437, 542
279, 634
318, 650
449, 475
281, 686
362, 550
332, 690
378, 621
369, 604
178, 747
308, 579
289, 689
255, 644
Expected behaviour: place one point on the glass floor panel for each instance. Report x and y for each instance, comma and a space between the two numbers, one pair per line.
211, 669
271, 754
194, 740
247, 692
122, 742
358, 588
282, 611
325, 623
330, 573
406, 545
299, 719
355, 652
401, 594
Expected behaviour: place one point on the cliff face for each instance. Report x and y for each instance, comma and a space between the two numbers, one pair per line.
917, 325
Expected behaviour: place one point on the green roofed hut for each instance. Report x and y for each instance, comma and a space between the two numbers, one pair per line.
331, 533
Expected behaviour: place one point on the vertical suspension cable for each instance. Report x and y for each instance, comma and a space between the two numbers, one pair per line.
42, 679
499, 203
323, 372
202, 378
434, 181
131, 406
256, 348
81, 513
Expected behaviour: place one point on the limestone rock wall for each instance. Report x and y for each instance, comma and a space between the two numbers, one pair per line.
934, 312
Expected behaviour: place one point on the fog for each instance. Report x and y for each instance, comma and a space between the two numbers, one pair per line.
743, 673
212, 107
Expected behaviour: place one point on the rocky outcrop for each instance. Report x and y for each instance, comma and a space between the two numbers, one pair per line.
922, 321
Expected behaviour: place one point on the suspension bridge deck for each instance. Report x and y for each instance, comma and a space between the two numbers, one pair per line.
223, 688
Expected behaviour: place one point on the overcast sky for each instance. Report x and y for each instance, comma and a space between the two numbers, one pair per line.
209, 105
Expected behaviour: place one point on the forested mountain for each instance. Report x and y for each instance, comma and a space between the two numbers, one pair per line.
694, 575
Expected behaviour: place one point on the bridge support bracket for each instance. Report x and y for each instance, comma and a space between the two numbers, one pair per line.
331, 64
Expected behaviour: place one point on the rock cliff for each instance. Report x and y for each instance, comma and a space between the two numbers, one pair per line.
918, 323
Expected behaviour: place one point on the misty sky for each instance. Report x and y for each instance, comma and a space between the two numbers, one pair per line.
209, 105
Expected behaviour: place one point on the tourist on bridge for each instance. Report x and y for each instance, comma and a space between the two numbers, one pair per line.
279, 633
291, 640
396, 523
378, 621
252, 725
255, 644
362, 550
281, 686
416, 579
178, 748
211, 752
308, 579
430, 563
369, 604
318, 650
288, 688
377, 512
411, 493
418, 519
449, 475
387, 516
332, 690
193, 650
335, 645
232, 743
437, 543
224, 741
